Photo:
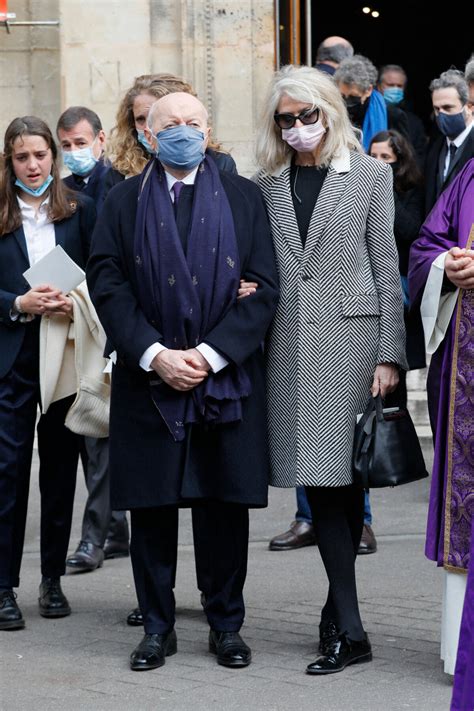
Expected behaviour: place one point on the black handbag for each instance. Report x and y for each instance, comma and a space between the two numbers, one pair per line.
387, 451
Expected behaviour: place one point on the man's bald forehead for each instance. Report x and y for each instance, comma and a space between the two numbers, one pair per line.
179, 100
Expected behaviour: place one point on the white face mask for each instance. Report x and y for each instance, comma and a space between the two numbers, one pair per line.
305, 138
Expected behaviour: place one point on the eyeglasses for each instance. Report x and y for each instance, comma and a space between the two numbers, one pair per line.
306, 117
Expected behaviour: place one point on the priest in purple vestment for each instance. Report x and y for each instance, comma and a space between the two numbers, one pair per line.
442, 279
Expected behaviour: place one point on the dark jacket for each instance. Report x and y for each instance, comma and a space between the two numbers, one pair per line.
408, 220
95, 188
227, 462
73, 234
434, 166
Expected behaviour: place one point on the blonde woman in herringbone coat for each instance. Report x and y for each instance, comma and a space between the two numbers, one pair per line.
338, 333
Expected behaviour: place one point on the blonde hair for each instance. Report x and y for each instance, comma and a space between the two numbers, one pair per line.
124, 151
310, 86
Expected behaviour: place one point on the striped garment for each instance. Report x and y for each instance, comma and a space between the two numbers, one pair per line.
340, 313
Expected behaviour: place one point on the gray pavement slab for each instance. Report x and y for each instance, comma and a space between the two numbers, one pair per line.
81, 662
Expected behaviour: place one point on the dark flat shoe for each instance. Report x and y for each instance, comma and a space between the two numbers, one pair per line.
116, 549
152, 650
343, 652
10, 614
135, 618
230, 649
85, 559
299, 535
52, 601
328, 635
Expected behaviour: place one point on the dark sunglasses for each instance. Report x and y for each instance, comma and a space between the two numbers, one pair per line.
306, 117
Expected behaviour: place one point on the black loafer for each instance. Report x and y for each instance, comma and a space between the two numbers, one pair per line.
230, 649
328, 635
87, 557
116, 549
52, 601
344, 651
152, 650
10, 614
135, 618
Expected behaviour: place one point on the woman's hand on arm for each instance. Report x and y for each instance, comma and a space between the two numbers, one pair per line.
386, 379
246, 288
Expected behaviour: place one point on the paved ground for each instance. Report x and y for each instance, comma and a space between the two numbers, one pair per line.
81, 662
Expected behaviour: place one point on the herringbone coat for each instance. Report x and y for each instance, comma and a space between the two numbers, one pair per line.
340, 314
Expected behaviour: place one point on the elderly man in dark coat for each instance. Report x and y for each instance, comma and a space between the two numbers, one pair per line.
187, 422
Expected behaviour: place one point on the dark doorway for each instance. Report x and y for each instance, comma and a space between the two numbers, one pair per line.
423, 40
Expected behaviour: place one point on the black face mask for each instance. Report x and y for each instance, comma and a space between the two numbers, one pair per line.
356, 109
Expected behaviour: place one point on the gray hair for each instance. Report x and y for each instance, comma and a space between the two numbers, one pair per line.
391, 68
452, 79
359, 71
469, 71
311, 86
334, 53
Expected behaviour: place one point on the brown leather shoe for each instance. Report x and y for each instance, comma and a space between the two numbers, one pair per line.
301, 534
368, 542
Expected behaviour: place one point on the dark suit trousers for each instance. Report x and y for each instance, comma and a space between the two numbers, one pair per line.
225, 529
99, 522
338, 517
58, 449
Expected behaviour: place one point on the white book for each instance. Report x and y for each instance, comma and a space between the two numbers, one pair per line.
56, 269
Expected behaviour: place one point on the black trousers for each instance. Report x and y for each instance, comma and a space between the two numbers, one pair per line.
338, 518
58, 450
154, 543
99, 522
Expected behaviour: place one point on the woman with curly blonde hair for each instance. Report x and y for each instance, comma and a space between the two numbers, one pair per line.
128, 149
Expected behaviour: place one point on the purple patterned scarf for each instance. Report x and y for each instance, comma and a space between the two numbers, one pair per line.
187, 295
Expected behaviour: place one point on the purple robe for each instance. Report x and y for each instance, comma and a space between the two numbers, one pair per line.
450, 395
450, 530
463, 692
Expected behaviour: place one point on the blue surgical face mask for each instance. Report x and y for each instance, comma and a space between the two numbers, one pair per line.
80, 162
393, 95
35, 192
145, 143
180, 147
451, 125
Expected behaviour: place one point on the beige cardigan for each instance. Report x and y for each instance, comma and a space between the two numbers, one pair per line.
72, 362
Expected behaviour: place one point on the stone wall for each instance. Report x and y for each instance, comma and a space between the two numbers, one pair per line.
225, 49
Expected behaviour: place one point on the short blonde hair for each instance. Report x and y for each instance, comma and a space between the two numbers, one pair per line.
310, 86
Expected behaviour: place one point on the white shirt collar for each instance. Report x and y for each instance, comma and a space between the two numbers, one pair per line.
26, 208
188, 180
459, 140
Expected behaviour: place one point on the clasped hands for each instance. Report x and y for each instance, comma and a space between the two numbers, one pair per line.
185, 370
44, 300
459, 267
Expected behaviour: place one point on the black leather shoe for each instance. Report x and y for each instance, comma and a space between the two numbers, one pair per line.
87, 557
299, 535
10, 614
135, 618
230, 649
52, 601
116, 549
152, 650
328, 634
343, 652
368, 542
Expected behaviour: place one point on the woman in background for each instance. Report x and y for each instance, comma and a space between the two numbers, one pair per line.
37, 212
